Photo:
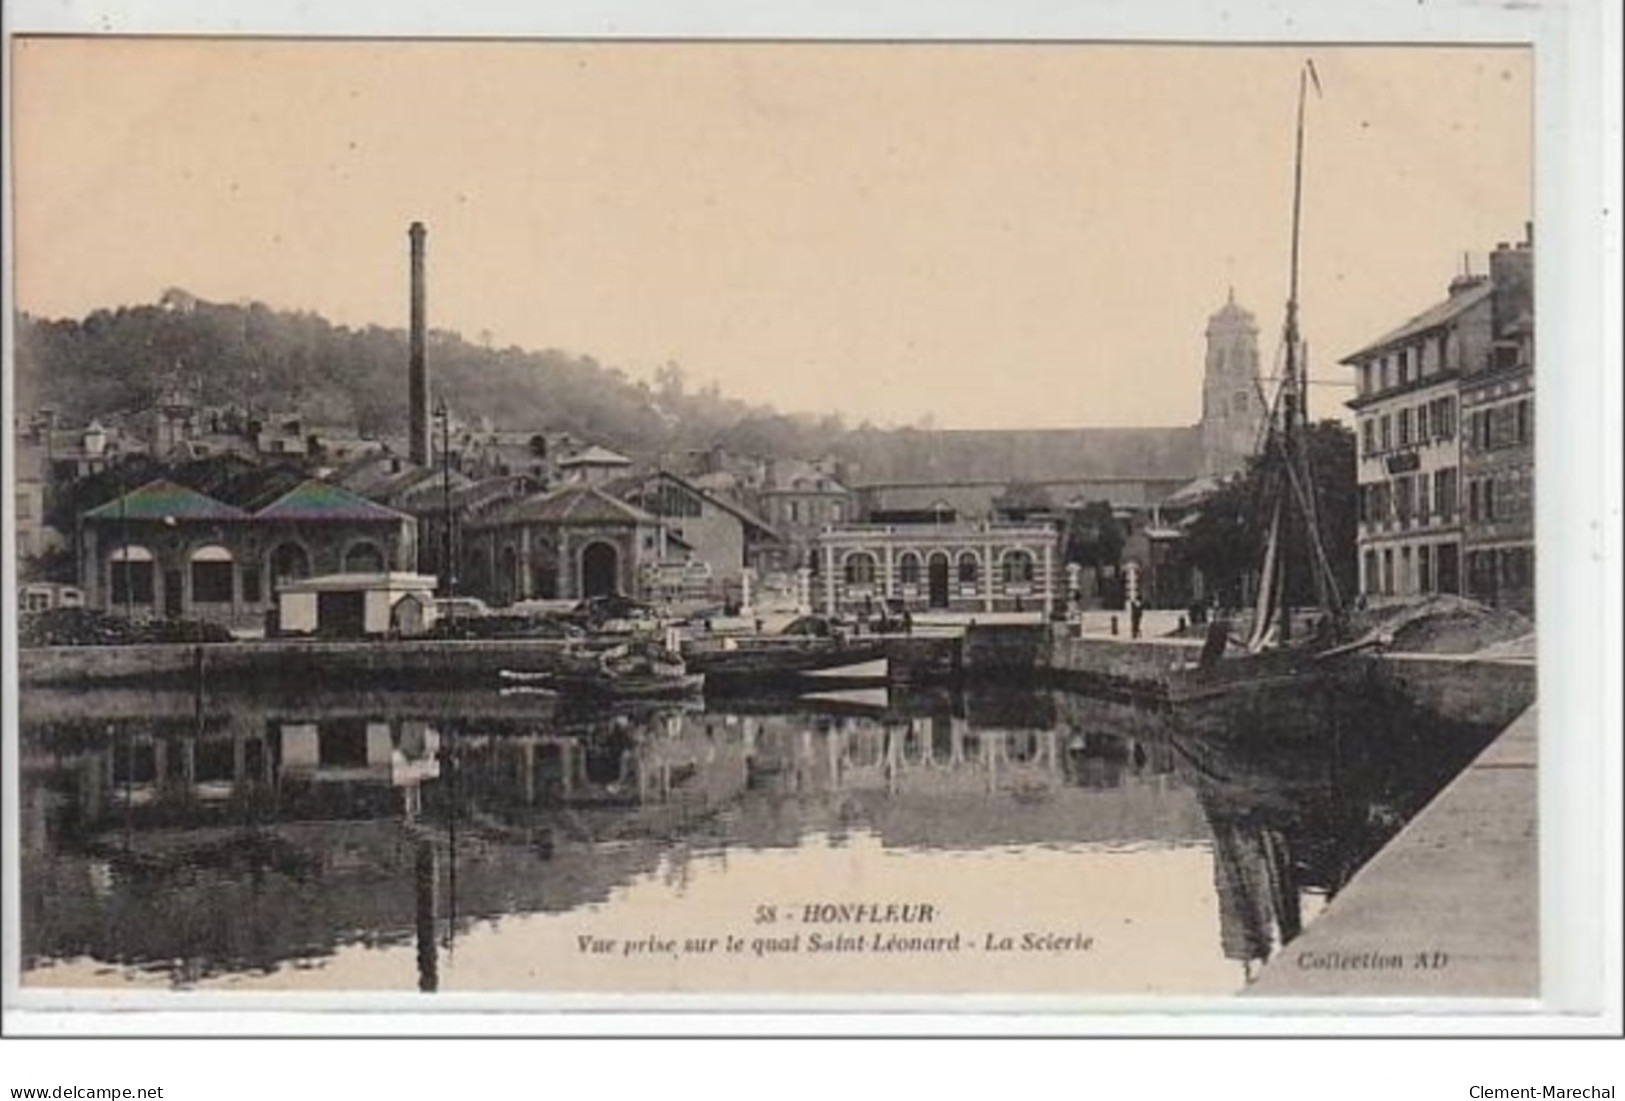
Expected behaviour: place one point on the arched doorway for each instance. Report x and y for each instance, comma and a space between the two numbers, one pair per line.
937, 580
600, 570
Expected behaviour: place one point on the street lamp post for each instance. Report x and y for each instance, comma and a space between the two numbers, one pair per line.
447, 545
122, 557
124, 548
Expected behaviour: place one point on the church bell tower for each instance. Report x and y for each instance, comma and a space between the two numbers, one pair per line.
1232, 400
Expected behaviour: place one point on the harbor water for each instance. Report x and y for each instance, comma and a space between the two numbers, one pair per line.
1011, 839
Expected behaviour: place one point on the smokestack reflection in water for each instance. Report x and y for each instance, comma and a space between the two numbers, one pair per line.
427, 880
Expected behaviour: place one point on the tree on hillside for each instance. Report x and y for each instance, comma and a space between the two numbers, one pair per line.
1226, 541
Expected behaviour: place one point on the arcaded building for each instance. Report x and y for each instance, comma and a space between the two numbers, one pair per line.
968, 568
936, 530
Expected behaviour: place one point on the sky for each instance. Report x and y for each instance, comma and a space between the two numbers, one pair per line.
969, 235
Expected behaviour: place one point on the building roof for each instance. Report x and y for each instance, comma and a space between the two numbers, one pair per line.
1194, 492
622, 486
428, 494
1433, 317
596, 456
237, 481
1033, 455
318, 500
382, 476
570, 505
162, 499
975, 498
1231, 316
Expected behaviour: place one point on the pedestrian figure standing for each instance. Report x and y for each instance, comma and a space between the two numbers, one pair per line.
1136, 611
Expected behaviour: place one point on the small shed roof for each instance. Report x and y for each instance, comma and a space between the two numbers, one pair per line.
596, 456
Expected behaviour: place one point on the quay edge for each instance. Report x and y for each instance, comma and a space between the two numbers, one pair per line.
1461, 688
1449, 908
1465, 688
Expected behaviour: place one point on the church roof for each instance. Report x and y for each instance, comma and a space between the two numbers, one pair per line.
1035, 455
1232, 316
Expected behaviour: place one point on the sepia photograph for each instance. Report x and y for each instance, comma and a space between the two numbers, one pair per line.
774, 518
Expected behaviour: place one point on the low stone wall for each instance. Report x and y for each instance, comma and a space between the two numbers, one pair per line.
294, 664
291, 665
1116, 669
923, 659
1004, 650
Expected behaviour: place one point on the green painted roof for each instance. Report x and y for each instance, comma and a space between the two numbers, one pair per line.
164, 500
316, 500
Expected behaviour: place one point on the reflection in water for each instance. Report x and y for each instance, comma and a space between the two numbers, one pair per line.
232, 836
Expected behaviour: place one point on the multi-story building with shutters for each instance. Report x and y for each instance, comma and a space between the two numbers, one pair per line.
1498, 442
1424, 448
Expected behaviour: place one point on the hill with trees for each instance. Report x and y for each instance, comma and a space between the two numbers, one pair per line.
253, 356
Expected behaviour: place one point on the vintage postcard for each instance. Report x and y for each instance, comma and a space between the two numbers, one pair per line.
774, 518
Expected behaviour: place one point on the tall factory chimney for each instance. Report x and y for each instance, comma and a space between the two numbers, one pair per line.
418, 368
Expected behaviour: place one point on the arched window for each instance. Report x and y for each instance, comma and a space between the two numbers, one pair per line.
211, 575
908, 568
132, 570
1018, 568
364, 557
860, 568
969, 568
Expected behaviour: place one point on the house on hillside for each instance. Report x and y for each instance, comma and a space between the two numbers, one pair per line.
593, 466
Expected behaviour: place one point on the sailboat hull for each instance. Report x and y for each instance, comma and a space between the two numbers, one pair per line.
1268, 697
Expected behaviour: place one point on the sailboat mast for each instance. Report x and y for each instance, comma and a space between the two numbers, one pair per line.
1289, 395
1297, 411
1297, 222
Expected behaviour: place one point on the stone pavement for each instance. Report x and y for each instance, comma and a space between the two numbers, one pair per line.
1448, 909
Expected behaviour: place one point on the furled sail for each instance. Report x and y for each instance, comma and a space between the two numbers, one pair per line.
1267, 605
